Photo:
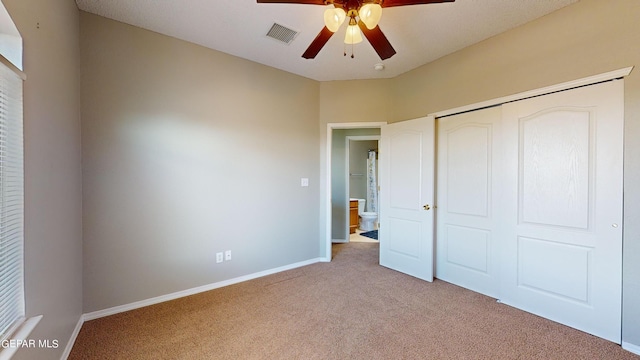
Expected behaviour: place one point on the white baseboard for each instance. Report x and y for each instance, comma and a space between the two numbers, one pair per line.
158, 299
631, 347
72, 339
339, 241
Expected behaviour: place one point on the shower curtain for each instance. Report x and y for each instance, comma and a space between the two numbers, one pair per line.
372, 184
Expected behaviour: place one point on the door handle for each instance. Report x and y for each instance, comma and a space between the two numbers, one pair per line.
427, 207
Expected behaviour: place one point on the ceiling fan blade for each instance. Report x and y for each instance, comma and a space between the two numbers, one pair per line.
379, 42
390, 3
309, 2
317, 43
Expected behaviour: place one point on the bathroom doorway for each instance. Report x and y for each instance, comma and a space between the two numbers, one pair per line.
361, 181
333, 178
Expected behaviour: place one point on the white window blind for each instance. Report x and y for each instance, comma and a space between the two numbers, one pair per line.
11, 201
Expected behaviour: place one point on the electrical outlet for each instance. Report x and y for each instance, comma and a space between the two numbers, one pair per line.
219, 258
227, 255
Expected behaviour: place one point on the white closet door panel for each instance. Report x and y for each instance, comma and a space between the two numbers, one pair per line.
467, 248
562, 210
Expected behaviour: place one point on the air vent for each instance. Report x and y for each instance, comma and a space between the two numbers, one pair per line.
282, 33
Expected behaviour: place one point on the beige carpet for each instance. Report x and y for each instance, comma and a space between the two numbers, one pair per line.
350, 308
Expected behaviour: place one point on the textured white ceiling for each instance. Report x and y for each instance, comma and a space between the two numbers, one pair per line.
419, 33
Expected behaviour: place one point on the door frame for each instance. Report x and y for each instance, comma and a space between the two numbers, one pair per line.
325, 182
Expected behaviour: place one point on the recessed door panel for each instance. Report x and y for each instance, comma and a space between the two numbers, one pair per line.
468, 159
404, 237
555, 269
555, 162
405, 157
468, 247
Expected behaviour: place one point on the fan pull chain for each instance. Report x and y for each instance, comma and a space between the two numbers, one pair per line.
345, 50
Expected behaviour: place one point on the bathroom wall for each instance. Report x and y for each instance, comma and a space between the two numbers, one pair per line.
339, 227
188, 152
358, 155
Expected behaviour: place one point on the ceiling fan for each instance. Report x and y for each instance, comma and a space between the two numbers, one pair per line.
367, 13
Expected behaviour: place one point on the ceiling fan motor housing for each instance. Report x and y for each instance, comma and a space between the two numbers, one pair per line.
351, 5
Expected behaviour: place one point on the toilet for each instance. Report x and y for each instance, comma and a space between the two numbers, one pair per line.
367, 219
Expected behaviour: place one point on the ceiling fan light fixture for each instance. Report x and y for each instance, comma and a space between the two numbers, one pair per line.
353, 36
333, 18
370, 15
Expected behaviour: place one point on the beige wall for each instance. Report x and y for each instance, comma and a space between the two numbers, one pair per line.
587, 38
188, 152
355, 101
584, 39
53, 213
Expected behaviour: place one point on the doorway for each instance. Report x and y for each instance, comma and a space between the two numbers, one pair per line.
361, 179
335, 199
340, 179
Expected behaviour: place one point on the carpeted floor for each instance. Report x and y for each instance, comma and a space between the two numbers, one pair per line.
350, 308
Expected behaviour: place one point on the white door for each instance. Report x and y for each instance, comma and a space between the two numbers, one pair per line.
406, 197
563, 207
468, 193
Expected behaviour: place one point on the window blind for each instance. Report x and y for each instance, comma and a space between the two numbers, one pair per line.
11, 202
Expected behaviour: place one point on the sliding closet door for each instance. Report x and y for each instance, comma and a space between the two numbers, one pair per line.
562, 212
468, 189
